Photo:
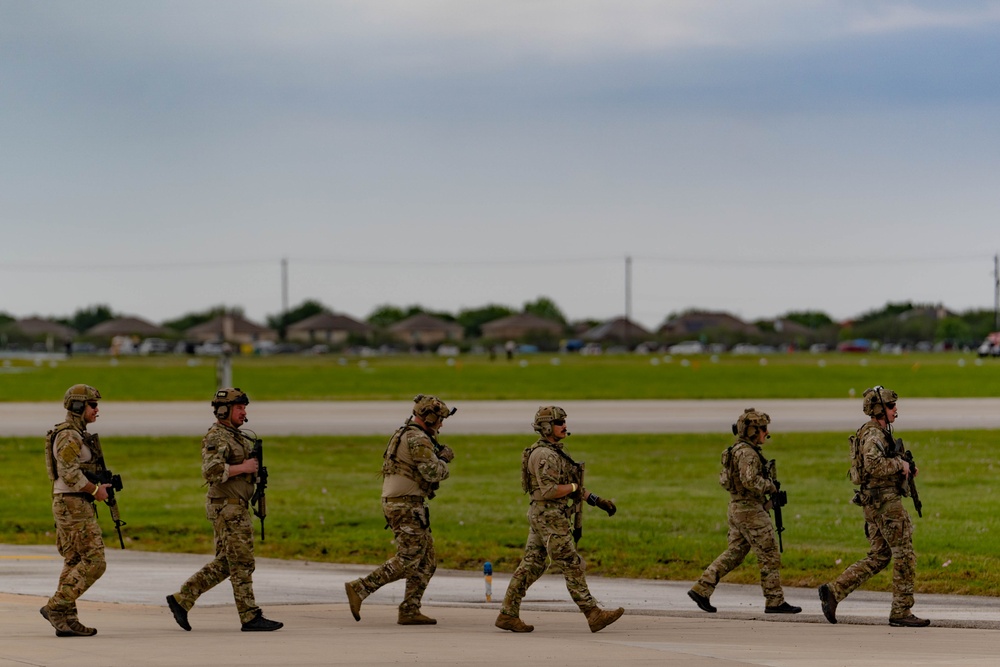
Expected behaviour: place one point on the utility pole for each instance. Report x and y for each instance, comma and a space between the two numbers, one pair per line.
996, 292
628, 299
284, 293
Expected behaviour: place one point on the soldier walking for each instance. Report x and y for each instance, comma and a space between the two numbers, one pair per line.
552, 478
749, 478
70, 453
230, 474
878, 468
413, 466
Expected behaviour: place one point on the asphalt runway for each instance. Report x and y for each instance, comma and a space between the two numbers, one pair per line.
275, 418
661, 625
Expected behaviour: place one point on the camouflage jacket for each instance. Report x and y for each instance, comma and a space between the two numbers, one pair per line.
881, 464
543, 469
222, 447
750, 477
413, 454
68, 455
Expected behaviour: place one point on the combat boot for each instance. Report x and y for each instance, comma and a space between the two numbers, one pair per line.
512, 623
353, 599
702, 602
260, 624
910, 621
179, 612
73, 620
828, 603
598, 619
58, 621
415, 618
783, 608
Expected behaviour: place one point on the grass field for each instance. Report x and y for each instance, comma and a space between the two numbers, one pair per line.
468, 377
323, 504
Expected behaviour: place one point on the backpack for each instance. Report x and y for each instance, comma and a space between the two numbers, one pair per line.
727, 479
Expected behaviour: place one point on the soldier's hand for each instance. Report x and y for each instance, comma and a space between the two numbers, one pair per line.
608, 506
447, 454
906, 469
101, 493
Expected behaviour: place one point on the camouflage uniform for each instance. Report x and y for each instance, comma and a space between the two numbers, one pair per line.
227, 507
887, 524
413, 467
549, 530
750, 526
78, 535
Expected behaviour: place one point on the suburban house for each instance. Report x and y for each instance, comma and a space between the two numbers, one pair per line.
518, 326
232, 328
423, 330
329, 328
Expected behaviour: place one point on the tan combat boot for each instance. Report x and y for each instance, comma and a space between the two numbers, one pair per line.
73, 620
353, 599
415, 618
512, 623
58, 621
598, 619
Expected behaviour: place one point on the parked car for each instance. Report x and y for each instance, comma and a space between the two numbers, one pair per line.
687, 347
154, 346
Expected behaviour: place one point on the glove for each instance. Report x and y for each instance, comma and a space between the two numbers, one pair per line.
602, 503
447, 454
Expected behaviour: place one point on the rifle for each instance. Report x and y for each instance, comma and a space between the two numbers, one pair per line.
577, 508
258, 501
105, 476
911, 486
778, 499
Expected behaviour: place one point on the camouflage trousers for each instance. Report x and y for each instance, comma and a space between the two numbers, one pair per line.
409, 519
78, 539
750, 528
549, 536
890, 534
234, 560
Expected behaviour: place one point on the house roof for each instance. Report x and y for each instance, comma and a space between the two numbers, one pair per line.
241, 325
424, 322
619, 328
327, 321
126, 326
36, 326
697, 321
526, 321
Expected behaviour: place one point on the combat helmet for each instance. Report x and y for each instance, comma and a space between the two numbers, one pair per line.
224, 399
875, 400
750, 423
544, 418
78, 396
432, 410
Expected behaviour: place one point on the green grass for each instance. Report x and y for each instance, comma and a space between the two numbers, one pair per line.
323, 504
473, 377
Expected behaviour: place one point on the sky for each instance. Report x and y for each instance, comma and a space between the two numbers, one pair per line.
758, 158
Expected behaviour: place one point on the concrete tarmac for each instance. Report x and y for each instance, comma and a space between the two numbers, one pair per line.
661, 625
277, 418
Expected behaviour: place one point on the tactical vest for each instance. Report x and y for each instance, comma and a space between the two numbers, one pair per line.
729, 478
91, 440
393, 465
857, 473
528, 482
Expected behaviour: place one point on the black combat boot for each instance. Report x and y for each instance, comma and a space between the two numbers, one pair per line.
260, 624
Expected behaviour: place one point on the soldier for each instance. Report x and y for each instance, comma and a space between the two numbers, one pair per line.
71, 453
230, 474
413, 466
749, 478
880, 472
551, 478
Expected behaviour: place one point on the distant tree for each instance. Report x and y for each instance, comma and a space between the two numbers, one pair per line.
888, 311
545, 307
307, 308
6, 319
185, 322
472, 320
953, 330
980, 322
813, 319
88, 317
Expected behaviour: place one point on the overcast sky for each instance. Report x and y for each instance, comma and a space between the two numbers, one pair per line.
749, 156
